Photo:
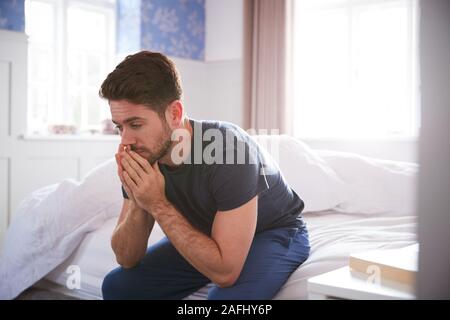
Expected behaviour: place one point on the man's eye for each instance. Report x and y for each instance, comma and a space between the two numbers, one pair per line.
135, 126
119, 128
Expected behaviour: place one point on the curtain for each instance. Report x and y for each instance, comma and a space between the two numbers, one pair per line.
267, 50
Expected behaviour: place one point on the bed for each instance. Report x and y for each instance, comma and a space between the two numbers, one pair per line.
60, 236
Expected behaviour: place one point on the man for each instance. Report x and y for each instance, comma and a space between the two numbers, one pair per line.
227, 212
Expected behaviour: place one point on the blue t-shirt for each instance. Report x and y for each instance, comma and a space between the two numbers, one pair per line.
225, 169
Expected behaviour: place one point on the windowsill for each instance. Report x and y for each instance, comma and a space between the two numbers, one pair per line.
70, 137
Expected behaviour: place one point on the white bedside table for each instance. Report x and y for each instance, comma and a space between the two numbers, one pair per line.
343, 284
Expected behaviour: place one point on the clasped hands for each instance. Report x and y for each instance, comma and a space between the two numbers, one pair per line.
143, 182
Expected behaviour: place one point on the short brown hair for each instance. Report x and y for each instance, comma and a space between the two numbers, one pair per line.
147, 78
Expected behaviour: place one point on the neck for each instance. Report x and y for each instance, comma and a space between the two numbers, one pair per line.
167, 159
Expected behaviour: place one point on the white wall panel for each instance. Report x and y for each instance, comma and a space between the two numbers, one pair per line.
4, 195
224, 29
224, 90
194, 83
5, 106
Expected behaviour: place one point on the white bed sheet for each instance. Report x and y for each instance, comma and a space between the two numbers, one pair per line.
333, 237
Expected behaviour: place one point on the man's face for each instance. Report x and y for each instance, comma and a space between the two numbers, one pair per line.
141, 129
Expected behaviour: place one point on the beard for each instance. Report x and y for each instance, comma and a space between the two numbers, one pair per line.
162, 148
162, 151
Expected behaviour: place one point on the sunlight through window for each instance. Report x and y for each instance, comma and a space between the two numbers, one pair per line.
355, 69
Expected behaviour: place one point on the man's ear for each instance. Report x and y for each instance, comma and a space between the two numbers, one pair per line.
174, 114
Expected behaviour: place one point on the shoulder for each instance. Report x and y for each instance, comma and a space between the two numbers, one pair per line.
230, 132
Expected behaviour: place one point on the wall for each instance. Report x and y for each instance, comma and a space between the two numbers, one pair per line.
12, 15
224, 30
434, 177
173, 27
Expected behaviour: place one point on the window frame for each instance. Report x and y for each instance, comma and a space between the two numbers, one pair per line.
60, 53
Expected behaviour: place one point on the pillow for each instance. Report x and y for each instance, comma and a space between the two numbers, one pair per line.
51, 222
307, 173
374, 186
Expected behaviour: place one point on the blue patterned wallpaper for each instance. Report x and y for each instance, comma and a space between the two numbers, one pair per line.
12, 15
173, 27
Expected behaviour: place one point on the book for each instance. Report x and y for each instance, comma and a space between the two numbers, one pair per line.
398, 265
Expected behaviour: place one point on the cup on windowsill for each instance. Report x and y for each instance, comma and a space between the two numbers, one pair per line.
62, 129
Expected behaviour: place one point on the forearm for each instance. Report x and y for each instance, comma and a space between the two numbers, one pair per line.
197, 248
129, 241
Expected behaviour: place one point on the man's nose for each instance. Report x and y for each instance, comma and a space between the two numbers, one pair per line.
127, 138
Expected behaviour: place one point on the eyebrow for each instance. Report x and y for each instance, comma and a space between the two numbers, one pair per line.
129, 120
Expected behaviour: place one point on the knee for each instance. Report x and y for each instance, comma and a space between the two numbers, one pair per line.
126, 284
114, 285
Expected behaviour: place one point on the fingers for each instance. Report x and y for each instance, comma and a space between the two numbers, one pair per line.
120, 171
133, 169
119, 165
142, 162
128, 191
125, 187
123, 181
129, 184
121, 148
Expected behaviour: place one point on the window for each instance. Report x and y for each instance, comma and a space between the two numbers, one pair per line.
355, 69
71, 49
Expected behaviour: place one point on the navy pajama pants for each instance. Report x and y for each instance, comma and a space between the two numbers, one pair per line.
164, 274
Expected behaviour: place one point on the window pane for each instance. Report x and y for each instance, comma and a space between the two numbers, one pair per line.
94, 70
75, 68
76, 107
93, 107
39, 103
88, 54
40, 27
381, 69
86, 29
40, 22
353, 69
321, 70
41, 68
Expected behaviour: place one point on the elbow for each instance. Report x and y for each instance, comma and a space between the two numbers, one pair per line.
126, 264
227, 280
126, 259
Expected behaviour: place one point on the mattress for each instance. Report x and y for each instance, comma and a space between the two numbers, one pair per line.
333, 237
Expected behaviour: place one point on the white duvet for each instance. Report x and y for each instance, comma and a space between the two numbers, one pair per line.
51, 222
